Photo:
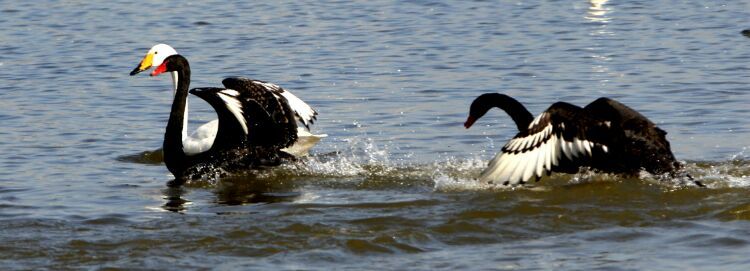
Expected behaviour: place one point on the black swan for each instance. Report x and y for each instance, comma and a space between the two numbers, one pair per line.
256, 121
203, 137
605, 135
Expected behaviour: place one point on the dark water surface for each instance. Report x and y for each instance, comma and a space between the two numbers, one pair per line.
392, 187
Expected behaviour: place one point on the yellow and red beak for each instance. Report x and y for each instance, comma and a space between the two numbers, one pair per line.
144, 65
159, 70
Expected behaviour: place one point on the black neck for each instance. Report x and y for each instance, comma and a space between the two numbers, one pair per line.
516, 110
174, 155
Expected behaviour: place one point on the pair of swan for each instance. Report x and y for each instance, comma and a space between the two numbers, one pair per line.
257, 126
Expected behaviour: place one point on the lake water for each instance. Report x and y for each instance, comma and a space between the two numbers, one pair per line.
392, 187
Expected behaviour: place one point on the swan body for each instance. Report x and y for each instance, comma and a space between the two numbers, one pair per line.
257, 121
202, 138
605, 135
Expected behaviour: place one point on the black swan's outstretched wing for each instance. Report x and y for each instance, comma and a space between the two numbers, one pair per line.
561, 139
250, 114
302, 111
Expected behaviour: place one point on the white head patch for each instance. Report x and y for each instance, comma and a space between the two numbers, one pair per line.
161, 51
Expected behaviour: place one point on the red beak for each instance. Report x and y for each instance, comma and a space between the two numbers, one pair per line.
159, 70
469, 121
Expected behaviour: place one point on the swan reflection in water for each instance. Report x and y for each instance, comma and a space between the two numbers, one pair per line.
174, 201
232, 191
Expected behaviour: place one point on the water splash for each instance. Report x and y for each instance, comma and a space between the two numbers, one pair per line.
365, 164
740, 155
728, 174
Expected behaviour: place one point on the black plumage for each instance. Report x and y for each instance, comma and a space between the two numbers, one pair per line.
605, 135
255, 122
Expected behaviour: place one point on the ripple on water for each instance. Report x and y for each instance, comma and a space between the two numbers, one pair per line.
112, 219
394, 186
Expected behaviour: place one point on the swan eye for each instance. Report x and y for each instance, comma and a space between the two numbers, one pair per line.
156, 53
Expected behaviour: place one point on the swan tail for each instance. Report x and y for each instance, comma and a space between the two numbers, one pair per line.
305, 141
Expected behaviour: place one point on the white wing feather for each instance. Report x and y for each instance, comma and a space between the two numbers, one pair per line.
302, 110
525, 157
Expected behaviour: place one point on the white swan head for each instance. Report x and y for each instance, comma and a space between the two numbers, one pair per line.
154, 57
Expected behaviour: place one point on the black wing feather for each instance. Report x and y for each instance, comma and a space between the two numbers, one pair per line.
281, 129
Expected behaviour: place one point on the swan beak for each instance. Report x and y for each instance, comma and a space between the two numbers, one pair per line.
144, 65
469, 121
159, 70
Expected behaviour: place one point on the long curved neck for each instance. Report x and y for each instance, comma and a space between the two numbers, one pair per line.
515, 109
175, 82
177, 124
